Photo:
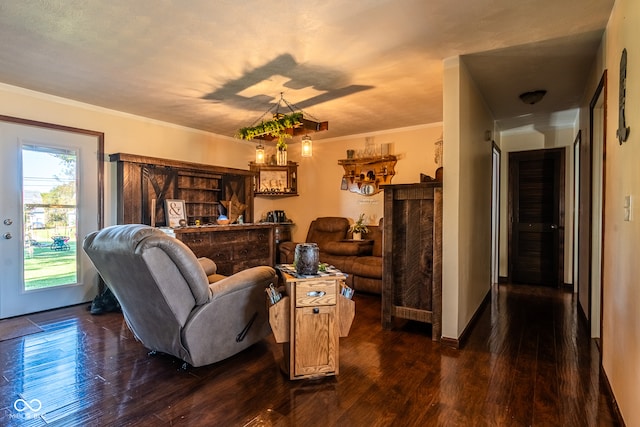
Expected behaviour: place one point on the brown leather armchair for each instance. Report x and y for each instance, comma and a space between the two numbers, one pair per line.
361, 261
323, 231
167, 298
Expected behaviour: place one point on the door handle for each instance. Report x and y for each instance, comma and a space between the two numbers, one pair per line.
316, 293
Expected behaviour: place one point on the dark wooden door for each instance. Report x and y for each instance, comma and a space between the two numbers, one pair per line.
536, 196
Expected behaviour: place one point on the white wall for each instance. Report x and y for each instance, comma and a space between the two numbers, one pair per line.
466, 201
621, 269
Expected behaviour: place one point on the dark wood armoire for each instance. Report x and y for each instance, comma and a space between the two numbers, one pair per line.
412, 255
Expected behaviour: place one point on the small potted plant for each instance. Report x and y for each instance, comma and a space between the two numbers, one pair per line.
281, 158
358, 228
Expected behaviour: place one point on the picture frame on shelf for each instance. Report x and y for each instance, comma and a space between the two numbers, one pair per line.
175, 211
273, 180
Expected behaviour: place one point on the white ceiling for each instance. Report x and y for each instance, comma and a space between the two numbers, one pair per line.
364, 66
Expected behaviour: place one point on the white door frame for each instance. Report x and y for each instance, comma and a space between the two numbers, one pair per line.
495, 214
10, 290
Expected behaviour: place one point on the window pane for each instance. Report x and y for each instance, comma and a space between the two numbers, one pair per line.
49, 211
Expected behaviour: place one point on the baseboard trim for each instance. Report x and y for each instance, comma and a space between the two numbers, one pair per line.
582, 317
567, 287
612, 399
459, 342
450, 342
503, 279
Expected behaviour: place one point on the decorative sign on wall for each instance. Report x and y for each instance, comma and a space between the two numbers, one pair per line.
623, 129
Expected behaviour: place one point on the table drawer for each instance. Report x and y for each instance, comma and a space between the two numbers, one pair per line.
317, 292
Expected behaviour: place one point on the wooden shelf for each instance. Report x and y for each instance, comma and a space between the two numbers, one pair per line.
275, 194
202, 203
144, 183
366, 175
275, 181
198, 189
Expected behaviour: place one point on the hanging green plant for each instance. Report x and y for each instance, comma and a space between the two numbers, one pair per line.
276, 128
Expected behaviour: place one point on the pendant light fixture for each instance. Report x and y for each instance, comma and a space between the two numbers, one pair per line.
259, 154
307, 146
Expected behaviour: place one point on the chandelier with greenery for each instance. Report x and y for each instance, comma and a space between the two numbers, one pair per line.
282, 125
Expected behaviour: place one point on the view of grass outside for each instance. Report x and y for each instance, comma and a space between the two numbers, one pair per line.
49, 262
50, 212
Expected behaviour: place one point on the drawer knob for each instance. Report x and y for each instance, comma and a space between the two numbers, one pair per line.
316, 310
316, 294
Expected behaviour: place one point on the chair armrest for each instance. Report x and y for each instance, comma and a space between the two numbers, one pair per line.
261, 276
208, 265
350, 248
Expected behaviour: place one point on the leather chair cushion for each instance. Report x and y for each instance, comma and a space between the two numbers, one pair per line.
327, 229
349, 248
368, 266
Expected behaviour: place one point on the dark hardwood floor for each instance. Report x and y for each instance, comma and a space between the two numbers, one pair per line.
528, 362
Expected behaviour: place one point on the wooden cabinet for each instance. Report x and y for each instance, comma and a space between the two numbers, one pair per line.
412, 255
366, 175
144, 183
232, 247
309, 321
275, 181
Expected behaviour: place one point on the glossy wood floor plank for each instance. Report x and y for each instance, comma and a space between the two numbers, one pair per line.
528, 361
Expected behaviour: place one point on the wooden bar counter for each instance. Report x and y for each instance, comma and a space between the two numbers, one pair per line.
233, 247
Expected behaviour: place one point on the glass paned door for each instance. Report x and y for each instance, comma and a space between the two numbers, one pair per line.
48, 203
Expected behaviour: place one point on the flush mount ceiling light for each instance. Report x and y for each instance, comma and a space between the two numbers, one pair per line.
533, 97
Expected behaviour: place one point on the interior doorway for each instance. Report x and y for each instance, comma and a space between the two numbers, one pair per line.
495, 214
591, 213
536, 212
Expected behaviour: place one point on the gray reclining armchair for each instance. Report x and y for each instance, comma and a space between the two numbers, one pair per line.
167, 299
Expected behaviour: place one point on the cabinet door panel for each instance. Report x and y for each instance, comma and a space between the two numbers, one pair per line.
316, 340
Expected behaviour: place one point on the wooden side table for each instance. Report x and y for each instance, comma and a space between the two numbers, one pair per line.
308, 321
